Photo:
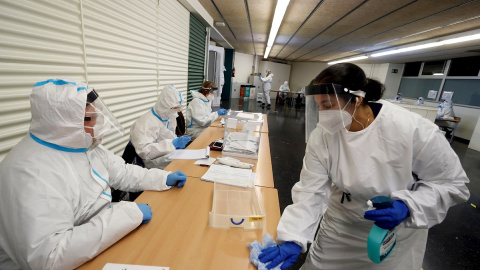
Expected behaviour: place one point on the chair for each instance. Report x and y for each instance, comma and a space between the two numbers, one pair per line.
130, 157
181, 126
445, 125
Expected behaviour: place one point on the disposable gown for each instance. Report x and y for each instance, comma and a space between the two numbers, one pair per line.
267, 86
199, 114
152, 134
400, 155
55, 201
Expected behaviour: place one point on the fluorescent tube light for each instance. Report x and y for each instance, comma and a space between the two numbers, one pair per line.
347, 60
267, 51
438, 74
461, 39
407, 49
280, 10
429, 45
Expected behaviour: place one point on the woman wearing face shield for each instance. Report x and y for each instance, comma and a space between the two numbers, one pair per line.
153, 134
362, 147
55, 198
199, 112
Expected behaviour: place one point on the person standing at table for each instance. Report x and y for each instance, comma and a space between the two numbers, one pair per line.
55, 200
267, 86
153, 134
199, 111
361, 148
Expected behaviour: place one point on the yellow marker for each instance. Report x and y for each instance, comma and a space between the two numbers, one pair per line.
252, 219
473, 205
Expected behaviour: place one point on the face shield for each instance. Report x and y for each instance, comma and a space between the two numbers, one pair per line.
210, 95
99, 120
329, 107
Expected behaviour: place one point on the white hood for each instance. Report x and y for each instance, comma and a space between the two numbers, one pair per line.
169, 97
196, 94
58, 111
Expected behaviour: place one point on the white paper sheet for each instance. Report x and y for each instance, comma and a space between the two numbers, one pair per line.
190, 154
232, 176
205, 162
116, 266
432, 94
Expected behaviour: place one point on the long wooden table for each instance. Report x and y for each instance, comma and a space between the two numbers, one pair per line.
179, 236
263, 165
264, 126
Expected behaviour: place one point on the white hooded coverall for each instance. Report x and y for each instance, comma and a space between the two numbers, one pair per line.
267, 85
55, 201
199, 114
379, 160
152, 134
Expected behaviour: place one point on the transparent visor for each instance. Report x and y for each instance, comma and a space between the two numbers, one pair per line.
99, 118
327, 106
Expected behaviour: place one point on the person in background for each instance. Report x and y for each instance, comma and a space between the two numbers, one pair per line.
284, 88
153, 134
267, 85
365, 147
55, 201
199, 111
445, 110
420, 101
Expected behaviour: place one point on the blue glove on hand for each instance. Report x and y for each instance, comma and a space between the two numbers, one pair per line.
147, 212
259, 76
388, 218
177, 178
181, 142
222, 112
287, 252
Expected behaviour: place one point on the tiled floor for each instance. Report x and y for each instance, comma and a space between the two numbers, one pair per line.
453, 244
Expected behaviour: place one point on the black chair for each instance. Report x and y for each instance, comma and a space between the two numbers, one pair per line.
130, 157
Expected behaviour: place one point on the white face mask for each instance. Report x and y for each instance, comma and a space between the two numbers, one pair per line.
210, 97
335, 120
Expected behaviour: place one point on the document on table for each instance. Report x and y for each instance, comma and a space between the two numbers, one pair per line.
228, 175
190, 154
205, 162
116, 266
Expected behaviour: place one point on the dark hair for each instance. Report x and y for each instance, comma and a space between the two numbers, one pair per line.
352, 77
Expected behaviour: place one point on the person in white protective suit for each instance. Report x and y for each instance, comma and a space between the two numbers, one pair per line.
362, 148
199, 112
284, 88
445, 110
420, 102
55, 200
153, 134
267, 86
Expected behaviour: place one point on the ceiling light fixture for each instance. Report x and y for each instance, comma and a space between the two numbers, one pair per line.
429, 45
267, 51
348, 60
280, 10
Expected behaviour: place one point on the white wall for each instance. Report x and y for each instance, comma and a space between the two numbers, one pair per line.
475, 140
303, 73
243, 67
392, 80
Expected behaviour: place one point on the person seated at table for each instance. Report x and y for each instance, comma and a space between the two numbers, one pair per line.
55, 201
199, 111
153, 134
284, 88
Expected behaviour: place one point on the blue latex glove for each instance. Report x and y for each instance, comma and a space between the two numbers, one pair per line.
388, 218
181, 142
177, 178
287, 252
222, 112
147, 212
259, 76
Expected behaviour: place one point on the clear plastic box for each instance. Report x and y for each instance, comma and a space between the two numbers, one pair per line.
241, 138
236, 207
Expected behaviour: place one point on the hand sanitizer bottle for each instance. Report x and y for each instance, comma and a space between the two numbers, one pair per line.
380, 242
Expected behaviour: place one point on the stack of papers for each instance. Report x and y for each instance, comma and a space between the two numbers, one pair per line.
241, 143
230, 176
190, 154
